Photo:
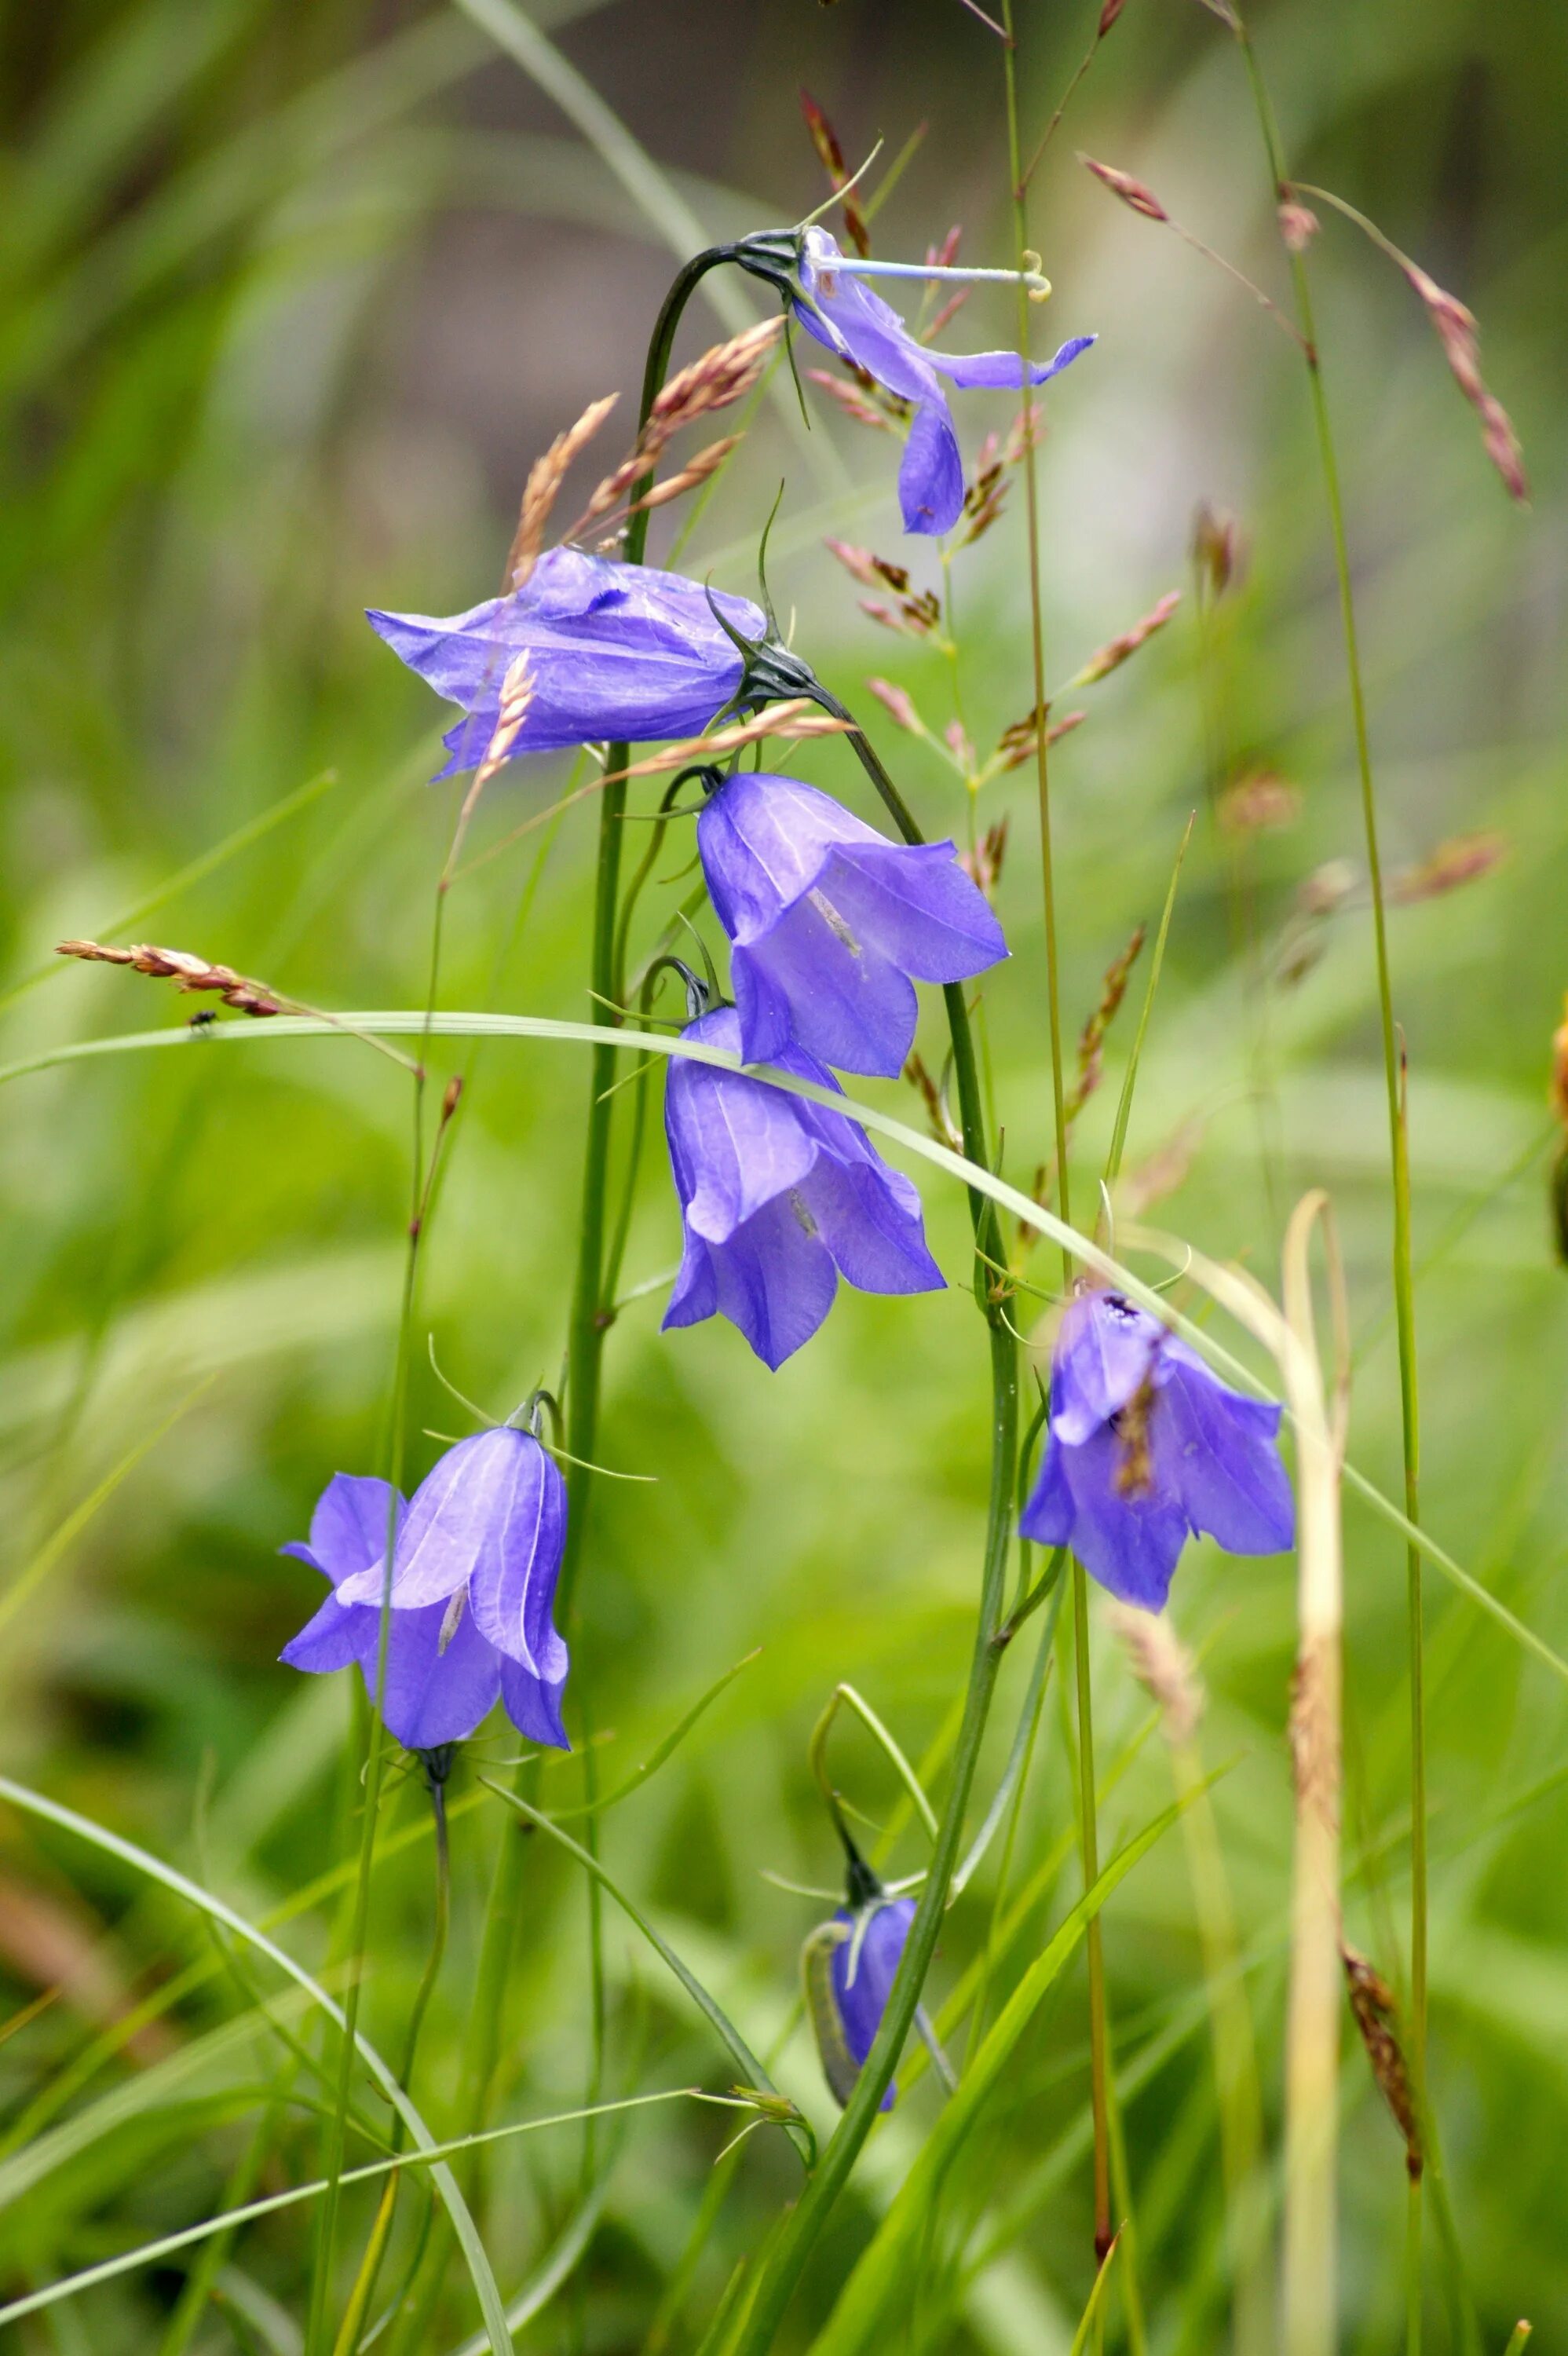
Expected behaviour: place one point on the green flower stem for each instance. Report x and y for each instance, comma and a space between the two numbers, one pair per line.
756, 2328
1399, 1156
592, 1312
785, 2259
1089, 1838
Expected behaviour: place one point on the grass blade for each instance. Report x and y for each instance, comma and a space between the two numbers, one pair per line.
751, 2071
34, 1803
890, 2262
402, 1023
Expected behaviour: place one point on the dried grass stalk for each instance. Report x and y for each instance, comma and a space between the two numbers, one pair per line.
545, 478
1163, 1667
1312, 2035
185, 971
1377, 2018
1111, 656
721, 375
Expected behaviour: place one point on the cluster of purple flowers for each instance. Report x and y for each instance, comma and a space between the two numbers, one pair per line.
445, 1602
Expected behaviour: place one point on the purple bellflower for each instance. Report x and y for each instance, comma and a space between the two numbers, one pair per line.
1145, 1447
779, 1198
474, 1568
829, 920
616, 652
841, 312
848, 1966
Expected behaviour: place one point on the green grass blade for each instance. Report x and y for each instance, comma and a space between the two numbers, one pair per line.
649, 187
890, 2262
432, 2155
663, 1749
34, 1803
1125, 1103
60, 1539
402, 1023
751, 2071
195, 871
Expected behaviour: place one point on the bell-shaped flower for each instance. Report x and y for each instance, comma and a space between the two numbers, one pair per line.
478, 1557
1146, 1447
848, 1966
434, 1693
841, 312
616, 652
829, 921
780, 1197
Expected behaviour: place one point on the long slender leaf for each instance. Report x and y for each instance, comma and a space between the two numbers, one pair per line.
431, 2155
34, 1803
751, 2071
402, 1023
890, 2262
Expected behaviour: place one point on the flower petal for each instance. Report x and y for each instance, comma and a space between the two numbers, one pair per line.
349, 1528
873, 1227
1221, 1451
931, 477
441, 1539
1104, 1351
512, 1590
1002, 368
432, 1697
775, 1280
919, 906
1130, 1544
735, 1145
533, 1705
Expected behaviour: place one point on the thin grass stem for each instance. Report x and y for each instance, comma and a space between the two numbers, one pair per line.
1399, 1153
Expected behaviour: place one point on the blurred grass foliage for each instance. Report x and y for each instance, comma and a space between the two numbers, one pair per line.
288, 300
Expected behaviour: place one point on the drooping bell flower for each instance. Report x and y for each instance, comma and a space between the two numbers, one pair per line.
842, 312
829, 921
847, 1968
473, 1574
616, 652
779, 1198
1146, 1447
433, 1694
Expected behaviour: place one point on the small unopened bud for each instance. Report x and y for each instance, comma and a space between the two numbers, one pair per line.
1299, 226
450, 1096
1108, 16
1131, 192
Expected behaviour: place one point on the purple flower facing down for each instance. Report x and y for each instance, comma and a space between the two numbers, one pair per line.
1144, 1448
848, 1966
616, 651
780, 1197
475, 1569
829, 921
842, 313
432, 1696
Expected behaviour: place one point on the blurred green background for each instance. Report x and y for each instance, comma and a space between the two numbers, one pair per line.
290, 299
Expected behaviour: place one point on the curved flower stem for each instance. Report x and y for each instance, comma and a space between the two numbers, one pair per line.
592, 1312
1398, 1157
786, 2255
1089, 1838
